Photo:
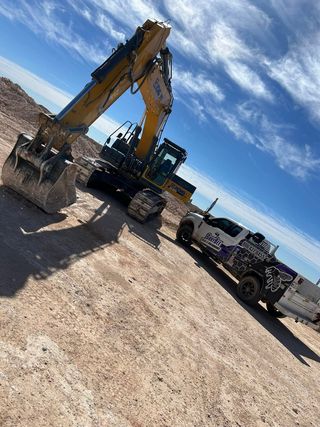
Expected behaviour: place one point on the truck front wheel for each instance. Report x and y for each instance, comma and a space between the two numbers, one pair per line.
248, 290
184, 235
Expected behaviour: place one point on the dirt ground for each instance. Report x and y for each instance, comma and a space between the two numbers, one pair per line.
107, 322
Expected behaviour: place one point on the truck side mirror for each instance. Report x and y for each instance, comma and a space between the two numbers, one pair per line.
206, 217
258, 237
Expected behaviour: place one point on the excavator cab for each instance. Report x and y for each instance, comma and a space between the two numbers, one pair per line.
166, 160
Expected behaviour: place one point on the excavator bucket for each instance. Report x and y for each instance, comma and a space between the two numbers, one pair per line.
47, 181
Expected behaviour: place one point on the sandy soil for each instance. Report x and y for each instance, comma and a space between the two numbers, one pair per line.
107, 322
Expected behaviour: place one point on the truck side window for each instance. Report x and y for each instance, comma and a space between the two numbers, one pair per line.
221, 223
234, 231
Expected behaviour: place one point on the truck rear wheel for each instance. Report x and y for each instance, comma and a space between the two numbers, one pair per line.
184, 235
248, 290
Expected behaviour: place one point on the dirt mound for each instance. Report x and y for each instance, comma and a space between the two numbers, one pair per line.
16, 103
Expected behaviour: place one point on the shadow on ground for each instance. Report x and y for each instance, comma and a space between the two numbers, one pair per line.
29, 249
274, 326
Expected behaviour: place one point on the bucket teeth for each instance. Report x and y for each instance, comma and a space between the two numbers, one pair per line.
51, 190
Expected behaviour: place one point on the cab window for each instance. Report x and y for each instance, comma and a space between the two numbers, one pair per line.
226, 226
221, 223
235, 230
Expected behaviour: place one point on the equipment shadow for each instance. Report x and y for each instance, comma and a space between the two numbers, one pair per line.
29, 248
148, 232
273, 325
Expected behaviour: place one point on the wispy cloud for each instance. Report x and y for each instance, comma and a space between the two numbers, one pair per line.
297, 70
249, 80
130, 13
225, 45
48, 91
98, 18
44, 19
197, 84
299, 73
276, 229
231, 122
206, 31
297, 160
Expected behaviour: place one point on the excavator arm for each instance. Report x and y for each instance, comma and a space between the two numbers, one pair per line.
41, 168
157, 95
130, 63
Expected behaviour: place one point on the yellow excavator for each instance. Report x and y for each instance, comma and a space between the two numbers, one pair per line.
42, 169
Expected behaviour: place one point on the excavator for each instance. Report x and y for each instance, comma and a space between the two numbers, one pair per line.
42, 169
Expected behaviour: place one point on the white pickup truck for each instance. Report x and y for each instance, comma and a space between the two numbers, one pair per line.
251, 259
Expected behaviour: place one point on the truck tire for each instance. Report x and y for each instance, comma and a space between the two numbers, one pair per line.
248, 290
273, 311
184, 235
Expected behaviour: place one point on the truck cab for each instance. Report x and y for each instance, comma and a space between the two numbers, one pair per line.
219, 237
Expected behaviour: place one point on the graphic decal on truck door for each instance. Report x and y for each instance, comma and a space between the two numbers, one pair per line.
276, 279
212, 240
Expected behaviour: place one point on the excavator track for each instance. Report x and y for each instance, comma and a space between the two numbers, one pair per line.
145, 205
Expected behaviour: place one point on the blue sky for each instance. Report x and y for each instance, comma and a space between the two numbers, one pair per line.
246, 84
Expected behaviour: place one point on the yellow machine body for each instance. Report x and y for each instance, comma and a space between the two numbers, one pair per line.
40, 169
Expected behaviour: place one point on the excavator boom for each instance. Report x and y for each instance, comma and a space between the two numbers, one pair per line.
157, 95
41, 168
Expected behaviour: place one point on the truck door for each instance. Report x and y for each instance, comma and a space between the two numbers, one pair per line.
219, 236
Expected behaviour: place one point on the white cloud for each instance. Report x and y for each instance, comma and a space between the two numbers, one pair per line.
48, 91
98, 18
276, 229
196, 84
299, 73
232, 123
196, 108
43, 19
248, 80
207, 31
225, 45
297, 160
131, 13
